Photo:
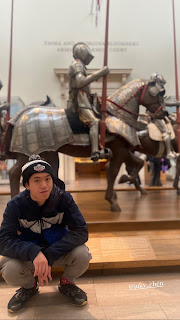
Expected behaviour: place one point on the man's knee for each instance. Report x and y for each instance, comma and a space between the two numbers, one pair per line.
82, 254
12, 272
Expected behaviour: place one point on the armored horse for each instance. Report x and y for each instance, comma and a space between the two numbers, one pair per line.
47, 130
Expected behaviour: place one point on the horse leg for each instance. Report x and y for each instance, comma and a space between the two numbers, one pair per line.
130, 167
138, 187
119, 156
139, 163
15, 174
176, 179
107, 173
133, 166
111, 195
52, 158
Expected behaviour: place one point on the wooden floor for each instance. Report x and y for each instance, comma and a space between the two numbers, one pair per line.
157, 209
156, 205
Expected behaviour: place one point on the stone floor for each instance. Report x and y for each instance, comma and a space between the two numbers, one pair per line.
134, 296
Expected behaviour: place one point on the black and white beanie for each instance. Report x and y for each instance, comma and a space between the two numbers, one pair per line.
35, 165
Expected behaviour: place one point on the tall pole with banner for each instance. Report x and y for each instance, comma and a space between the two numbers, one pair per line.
10, 60
176, 78
104, 88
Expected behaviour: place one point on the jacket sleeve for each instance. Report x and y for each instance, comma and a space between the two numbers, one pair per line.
10, 245
77, 234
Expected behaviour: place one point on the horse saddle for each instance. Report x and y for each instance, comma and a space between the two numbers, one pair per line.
80, 131
156, 134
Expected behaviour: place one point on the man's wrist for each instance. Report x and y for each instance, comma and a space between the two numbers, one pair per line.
49, 257
35, 253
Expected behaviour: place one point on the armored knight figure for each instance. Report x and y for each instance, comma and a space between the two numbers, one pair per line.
80, 95
5, 105
162, 120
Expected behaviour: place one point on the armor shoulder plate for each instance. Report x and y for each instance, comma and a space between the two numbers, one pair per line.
76, 67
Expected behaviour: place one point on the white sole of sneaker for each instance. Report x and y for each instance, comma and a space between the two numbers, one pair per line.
79, 305
11, 311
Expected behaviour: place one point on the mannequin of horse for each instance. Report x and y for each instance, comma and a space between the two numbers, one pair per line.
121, 154
121, 139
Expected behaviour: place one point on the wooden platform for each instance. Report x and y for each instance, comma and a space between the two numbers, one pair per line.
146, 249
146, 234
158, 209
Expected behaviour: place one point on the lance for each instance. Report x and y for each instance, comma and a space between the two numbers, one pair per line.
176, 79
10, 61
104, 88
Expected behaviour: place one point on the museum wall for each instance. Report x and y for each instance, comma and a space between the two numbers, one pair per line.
140, 40
140, 36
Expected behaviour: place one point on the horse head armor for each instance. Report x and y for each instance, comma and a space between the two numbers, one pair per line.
156, 84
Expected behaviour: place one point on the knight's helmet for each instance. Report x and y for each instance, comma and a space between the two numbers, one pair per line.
157, 81
82, 52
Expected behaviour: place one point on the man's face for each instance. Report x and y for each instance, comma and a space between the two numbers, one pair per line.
40, 186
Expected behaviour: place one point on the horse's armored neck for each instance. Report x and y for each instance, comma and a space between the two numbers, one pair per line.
142, 93
125, 103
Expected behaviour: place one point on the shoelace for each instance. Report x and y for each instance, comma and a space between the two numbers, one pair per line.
23, 293
72, 289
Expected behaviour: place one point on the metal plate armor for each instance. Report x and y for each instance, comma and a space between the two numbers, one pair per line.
77, 67
40, 129
122, 96
119, 127
156, 134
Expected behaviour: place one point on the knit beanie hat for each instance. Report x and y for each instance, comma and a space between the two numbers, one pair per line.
35, 165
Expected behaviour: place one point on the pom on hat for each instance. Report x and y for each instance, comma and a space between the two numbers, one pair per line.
34, 157
35, 165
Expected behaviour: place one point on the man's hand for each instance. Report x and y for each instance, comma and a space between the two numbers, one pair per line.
44, 278
42, 269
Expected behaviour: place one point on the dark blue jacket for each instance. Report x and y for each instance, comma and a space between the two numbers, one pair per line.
54, 228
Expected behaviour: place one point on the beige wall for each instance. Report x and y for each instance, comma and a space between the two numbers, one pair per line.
44, 28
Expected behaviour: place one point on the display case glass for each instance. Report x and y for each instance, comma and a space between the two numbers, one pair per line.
15, 105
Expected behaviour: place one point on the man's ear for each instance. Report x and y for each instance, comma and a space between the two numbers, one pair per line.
27, 185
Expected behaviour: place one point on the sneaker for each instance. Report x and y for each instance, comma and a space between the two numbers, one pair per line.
77, 295
22, 295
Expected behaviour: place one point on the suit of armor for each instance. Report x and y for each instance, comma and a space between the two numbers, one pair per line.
80, 94
162, 119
